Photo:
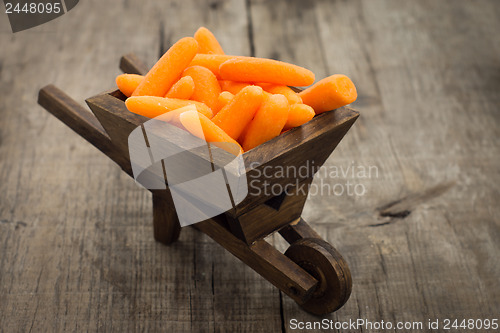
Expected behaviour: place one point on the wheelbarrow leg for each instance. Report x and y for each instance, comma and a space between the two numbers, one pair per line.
165, 221
166, 225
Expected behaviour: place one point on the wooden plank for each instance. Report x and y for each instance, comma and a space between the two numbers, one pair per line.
76, 252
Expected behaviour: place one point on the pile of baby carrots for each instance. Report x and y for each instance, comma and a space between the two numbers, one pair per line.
244, 101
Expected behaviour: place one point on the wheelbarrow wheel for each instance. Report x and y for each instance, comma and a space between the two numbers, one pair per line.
325, 263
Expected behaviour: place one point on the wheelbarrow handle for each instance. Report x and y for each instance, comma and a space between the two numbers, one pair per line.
131, 64
75, 117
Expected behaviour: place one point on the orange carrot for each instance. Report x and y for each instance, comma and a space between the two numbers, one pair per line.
182, 89
236, 115
249, 69
267, 123
211, 61
153, 106
286, 91
202, 127
207, 43
330, 93
232, 87
206, 86
265, 95
224, 98
168, 69
299, 114
127, 83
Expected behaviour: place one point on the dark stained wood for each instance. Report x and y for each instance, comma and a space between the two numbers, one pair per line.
166, 225
131, 64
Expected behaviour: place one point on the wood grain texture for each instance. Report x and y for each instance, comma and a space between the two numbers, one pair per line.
76, 252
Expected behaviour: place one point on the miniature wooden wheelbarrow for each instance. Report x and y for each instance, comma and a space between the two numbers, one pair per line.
311, 271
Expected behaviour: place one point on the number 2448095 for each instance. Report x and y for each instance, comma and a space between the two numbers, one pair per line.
33, 8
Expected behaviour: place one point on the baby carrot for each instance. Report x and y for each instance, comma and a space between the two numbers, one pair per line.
207, 43
202, 127
236, 115
206, 86
182, 89
211, 61
224, 98
286, 91
127, 83
153, 106
265, 95
268, 121
168, 69
299, 114
330, 93
232, 87
249, 69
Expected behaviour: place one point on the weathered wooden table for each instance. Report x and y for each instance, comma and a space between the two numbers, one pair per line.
421, 233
